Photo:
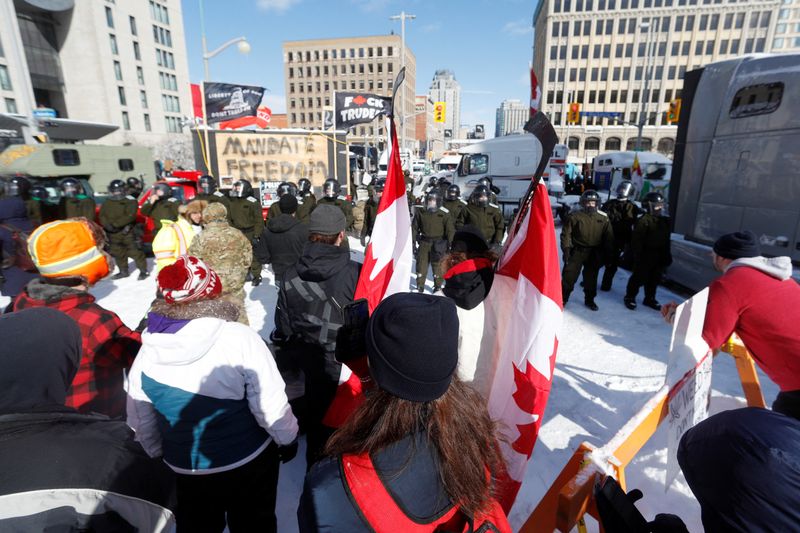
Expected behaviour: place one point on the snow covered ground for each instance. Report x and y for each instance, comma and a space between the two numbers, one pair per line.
609, 364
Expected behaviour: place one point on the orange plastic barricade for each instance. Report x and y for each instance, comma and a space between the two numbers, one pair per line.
571, 495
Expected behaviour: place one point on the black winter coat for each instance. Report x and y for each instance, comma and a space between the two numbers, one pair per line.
281, 243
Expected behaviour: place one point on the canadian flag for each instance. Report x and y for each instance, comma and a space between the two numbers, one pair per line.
386, 270
525, 304
536, 94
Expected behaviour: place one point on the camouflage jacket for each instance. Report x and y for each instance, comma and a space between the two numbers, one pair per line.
227, 251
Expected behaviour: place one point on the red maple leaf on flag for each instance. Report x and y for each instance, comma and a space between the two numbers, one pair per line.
359, 100
525, 398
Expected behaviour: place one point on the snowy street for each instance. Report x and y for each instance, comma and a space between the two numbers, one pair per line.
609, 364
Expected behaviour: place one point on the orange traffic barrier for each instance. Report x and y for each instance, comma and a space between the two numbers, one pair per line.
571, 496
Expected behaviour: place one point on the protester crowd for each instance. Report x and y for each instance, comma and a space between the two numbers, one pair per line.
186, 422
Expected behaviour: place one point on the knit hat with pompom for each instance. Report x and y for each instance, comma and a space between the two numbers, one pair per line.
188, 279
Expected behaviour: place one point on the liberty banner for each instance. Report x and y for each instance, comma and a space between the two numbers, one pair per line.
359, 108
224, 101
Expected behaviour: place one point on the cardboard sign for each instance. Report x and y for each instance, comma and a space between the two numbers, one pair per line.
688, 376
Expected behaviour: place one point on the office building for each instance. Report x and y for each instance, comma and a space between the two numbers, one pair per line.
314, 70
445, 88
629, 57
120, 66
511, 117
787, 27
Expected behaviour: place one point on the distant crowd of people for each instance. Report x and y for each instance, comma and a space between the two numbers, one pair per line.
197, 433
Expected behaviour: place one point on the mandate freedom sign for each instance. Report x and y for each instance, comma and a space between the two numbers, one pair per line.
225, 101
359, 108
272, 157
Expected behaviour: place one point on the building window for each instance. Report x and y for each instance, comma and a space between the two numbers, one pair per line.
109, 17
147, 126
666, 145
613, 144
591, 143
117, 71
612, 97
11, 105
143, 99
777, 43
121, 92
585, 51
132, 20
114, 48
140, 75
137, 53
5, 79
126, 121
573, 143
739, 21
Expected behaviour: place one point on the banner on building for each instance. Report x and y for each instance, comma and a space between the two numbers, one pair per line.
352, 108
225, 101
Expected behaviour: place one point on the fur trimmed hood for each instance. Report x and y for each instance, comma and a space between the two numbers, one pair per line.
216, 308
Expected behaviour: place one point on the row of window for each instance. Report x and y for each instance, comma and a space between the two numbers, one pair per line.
341, 71
566, 6
162, 36
779, 28
159, 13
705, 22
616, 96
173, 124
779, 42
343, 85
170, 103
167, 81
614, 144
339, 54
165, 59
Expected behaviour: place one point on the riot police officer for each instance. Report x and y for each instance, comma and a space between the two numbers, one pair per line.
650, 245
286, 187
246, 216
207, 190
118, 218
161, 205
134, 186
484, 215
330, 195
622, 213
455, 204
306, 201
371, 210
433, 231
487, 182
74, 203
20, 187
586, 239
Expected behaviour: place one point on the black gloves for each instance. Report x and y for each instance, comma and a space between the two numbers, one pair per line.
287, 453
667, 523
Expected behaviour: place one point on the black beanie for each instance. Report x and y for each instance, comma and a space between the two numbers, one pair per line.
288, 204
412, 345
737, 245
469, 239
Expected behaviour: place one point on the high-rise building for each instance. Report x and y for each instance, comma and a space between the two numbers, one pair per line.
314, 70
511, 117
445, 88
787, 27
629, 57
106, 62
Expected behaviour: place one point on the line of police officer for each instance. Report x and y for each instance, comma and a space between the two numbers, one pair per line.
591, 238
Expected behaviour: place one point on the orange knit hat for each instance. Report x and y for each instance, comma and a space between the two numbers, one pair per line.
67, 248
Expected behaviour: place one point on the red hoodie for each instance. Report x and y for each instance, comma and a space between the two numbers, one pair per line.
757, 299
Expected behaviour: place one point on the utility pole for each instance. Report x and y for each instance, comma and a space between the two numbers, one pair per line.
402, 17
644, 99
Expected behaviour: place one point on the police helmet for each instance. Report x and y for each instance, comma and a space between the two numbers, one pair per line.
654, 203
287, 187
379, 185
162, 190
18, 186
453, 193
135, 186
433, 200
39, 193
305, 185
207, 184
480, 196
433, 181
70, 187
624, 190
486, 182
116, 188
242, 189
330, 189
590, 201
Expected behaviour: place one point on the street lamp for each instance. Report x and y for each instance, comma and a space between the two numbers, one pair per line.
402, 17
644, 99
240, 42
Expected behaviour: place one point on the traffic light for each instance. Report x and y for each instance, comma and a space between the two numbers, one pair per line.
439, 112
574, 113
674, 112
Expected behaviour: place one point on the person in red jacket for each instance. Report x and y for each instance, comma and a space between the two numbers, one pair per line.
757, 299
69, 256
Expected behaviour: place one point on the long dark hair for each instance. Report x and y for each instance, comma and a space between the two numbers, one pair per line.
457, 425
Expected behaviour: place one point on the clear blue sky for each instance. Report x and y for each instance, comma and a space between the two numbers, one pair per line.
487, 43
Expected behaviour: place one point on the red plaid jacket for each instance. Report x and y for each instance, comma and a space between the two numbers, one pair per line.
108, 348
